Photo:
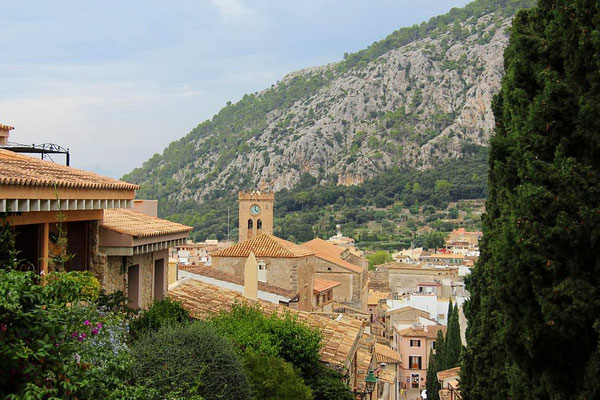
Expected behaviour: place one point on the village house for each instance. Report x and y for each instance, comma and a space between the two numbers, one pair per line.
272, 294
330, 264
388, 371
45, 201
66, 219
405, 278
280, 263
414, 345
136, 246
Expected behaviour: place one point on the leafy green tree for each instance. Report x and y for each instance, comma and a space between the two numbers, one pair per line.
285, 336
272, 378
534, 312
379, 257
434, 240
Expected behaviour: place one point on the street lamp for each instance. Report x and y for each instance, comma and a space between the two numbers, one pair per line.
370, 382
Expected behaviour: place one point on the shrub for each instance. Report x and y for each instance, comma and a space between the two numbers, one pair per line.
37, 355
328, 384
189, 360
71, 286
283, 336
160, 313
272, 378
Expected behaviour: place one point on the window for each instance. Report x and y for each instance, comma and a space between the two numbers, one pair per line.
259, 224
415, 343
414, 362
250, 224
262, 271
441, 316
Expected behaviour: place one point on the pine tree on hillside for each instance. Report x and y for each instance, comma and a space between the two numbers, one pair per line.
432, 384
453, 344
534, 313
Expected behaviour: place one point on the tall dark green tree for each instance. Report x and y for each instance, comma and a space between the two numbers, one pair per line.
432, 384
534, 313
453, 343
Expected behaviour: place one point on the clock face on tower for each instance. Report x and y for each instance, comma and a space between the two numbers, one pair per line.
255, 209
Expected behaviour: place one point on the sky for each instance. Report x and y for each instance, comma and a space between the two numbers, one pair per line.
116, 81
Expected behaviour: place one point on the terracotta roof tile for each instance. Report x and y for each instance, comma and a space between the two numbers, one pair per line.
224, 276
6, 127
340, 338
18, 169
364, 356
330, 252
140, 225
322, 285
386, 355
265, 245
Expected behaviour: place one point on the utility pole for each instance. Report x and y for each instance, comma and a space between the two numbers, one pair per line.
228, 224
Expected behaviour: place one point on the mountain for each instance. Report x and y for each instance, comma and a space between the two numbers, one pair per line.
412, 101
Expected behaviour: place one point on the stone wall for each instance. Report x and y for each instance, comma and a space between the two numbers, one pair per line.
296, 274
351, 290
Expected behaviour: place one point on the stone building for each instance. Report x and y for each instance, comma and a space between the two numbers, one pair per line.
66, 219
135, 247
255, 214
46, 202
329, 265
280, 263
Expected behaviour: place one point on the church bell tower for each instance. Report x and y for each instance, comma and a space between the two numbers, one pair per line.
255, 214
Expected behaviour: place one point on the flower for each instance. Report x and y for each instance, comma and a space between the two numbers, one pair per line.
83, 334
86, 322
80, 338
99, 325
2, 328
74, 334
77, 358
95, 331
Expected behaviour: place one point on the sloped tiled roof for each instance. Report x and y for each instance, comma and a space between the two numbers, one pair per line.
18, 169
364, 356
385, 354
330, 252
265, 245
213, 273
140, 225
322, 285
340, 338
413, 332
448, 373
6, 127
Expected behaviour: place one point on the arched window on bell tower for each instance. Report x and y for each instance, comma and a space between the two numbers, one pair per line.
259, 225
250, 224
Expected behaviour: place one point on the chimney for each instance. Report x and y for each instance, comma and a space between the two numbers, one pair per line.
251, 278
4, 132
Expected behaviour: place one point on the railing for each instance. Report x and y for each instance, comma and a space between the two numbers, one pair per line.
454, 394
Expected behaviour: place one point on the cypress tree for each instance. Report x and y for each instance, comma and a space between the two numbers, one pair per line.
453, 344
440, 356
433, 385
534, 312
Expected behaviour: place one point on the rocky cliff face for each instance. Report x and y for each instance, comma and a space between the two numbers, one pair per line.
413, 106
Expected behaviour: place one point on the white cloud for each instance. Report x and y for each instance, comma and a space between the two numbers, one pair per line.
231, 10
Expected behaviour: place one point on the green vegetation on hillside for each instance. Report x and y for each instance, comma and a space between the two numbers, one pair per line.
534, 312
311, 210
451, 20
213, 144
